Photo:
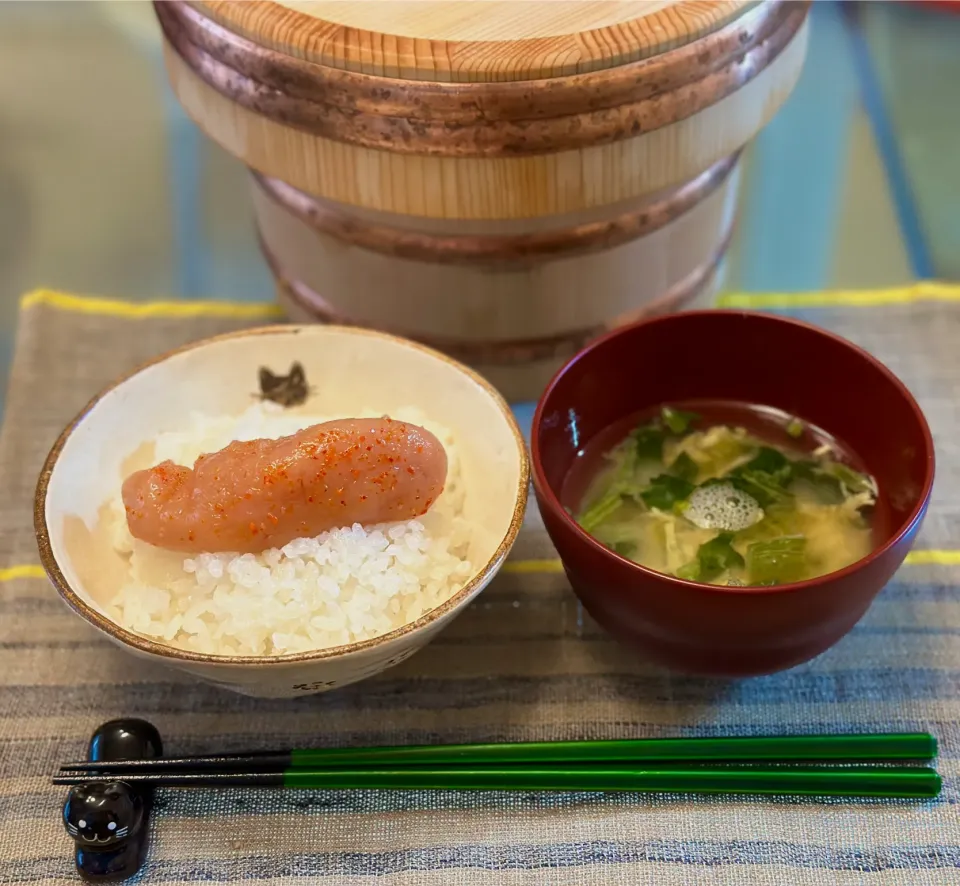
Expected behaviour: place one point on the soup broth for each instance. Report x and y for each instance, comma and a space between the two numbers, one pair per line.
725, 493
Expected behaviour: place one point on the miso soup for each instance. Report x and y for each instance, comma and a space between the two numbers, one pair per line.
726, 494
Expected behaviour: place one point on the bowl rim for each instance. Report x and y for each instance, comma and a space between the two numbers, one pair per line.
144, 644
547, 498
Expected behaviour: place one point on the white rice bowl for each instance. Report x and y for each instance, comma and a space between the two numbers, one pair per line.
346, 585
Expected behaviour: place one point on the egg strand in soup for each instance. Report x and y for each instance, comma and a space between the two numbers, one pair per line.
714, 503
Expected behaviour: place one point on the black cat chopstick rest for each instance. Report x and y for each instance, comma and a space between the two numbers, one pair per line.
101, 815
108, 819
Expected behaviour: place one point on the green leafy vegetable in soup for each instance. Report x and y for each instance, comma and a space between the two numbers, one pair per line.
676, 419
714, 503
685, 467
665, 492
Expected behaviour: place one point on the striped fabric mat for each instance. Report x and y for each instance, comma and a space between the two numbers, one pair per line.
523, 663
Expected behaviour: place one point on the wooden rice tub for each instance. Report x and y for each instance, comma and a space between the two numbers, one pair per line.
501, 180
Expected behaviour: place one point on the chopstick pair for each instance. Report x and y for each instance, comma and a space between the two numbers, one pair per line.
674, 765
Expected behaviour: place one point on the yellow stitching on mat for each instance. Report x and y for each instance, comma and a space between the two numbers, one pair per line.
536, 567
527, 567
924, 290
114, 307
939, 558
24, 570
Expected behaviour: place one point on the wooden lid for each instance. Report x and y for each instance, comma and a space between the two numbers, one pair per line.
472, 40
514, 149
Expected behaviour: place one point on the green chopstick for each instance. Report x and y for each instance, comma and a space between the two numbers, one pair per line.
890, 747
890, 782
819, 748
887, 782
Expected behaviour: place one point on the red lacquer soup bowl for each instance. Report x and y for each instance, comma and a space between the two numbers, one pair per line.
757, 359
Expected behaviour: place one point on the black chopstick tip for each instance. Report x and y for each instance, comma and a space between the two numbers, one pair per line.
253, 761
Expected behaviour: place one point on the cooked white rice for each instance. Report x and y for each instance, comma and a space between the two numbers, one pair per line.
345, 585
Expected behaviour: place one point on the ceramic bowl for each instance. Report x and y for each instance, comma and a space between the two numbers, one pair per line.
752, 358
347, 369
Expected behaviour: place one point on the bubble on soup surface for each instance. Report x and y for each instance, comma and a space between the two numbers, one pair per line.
722, 506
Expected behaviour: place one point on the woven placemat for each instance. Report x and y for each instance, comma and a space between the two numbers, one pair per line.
522, 663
